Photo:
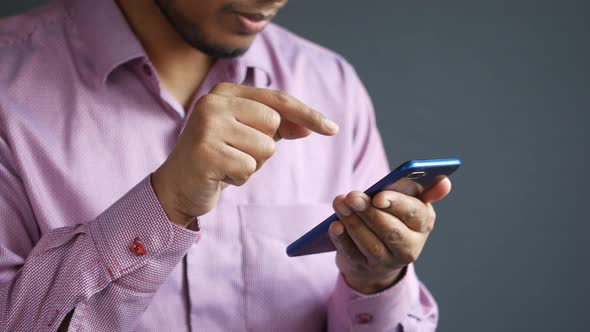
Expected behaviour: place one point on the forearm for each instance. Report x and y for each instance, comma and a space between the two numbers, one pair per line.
90, 267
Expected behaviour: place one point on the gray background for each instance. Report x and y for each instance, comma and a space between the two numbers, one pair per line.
502, 84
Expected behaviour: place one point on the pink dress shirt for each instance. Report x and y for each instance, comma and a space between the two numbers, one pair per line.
83, 124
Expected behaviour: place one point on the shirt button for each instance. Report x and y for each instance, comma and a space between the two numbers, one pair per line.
137, 247
364, 318
147, 70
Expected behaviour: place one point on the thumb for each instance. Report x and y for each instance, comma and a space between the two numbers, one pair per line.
437, 192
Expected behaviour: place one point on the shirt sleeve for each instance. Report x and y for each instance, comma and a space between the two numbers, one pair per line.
406, 306
106, 270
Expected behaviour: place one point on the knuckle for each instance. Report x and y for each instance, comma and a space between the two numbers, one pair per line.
221, 87
376, 250
208, 101
281, 97
412, 213
393, 237
429, 226
272, 119
249, 166
268, 147
408, 256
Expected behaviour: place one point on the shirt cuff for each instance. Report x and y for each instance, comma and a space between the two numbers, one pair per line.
135, 230
353, 311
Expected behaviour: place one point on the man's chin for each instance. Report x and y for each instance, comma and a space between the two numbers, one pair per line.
222, 52
227, 50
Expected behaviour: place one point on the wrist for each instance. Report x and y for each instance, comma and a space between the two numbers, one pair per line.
374, 285
166, 200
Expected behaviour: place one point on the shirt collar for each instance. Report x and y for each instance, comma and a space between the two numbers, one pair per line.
109, 41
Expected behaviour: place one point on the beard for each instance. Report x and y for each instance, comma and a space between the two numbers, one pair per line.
193, 35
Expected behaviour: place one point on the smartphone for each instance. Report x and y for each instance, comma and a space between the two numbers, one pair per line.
410, 178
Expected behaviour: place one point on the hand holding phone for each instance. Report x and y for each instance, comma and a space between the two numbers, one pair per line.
411, 178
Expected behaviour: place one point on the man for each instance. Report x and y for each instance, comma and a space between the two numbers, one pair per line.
152, 174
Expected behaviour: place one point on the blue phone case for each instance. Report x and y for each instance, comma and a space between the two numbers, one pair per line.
411, 178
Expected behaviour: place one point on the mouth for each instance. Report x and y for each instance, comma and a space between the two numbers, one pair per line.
257, 17
252, 23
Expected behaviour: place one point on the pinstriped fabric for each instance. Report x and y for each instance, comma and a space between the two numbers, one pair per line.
83, 124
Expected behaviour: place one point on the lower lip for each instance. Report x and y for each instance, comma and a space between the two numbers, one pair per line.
251, 26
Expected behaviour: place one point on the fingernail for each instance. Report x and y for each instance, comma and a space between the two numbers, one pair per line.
345, 211
330, 125
337, 230
358, 204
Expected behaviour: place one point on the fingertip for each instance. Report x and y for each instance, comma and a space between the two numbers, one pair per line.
331, 127
448, 183
445, 186
438, 191
337, 200
353, 194
336, 229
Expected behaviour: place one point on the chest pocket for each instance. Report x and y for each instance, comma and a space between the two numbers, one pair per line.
284, 293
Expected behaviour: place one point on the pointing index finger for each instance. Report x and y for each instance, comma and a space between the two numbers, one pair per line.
287, 106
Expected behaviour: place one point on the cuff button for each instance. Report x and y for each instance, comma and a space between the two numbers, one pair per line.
137, 247
364, 318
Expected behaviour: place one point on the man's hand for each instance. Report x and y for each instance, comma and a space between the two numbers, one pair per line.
231, 133
376, 238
